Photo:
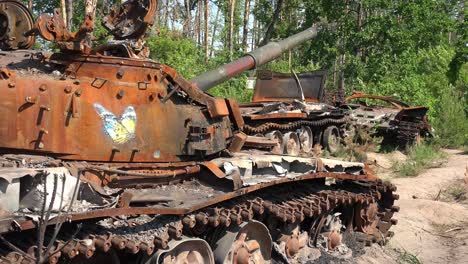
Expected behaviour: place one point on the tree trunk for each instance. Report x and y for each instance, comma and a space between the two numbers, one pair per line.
232, 7
271, 26
63, 10
207, 17
198, 23
335, 62
173, 14
70, 15
90, 7
188, 19
341, 86
163, 20
246, 25
359, 27
254, 29
30, 4
215, 28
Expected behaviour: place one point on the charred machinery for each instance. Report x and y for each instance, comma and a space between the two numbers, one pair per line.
290, 109
110, 157
393, 120
294, 110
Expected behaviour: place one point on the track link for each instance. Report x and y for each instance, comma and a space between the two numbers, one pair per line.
133, 240
293, 125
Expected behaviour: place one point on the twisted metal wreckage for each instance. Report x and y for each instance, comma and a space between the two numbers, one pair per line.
295, 108
108, 156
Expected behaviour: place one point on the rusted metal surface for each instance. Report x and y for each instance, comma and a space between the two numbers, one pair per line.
254, 176
281, 87
183, 210
287, 104
261, 142
131, 19
235, 113
281, 206
279, 116
138, 110
394, 120
238, 141
52, 28
104, 138
64, 111
389, 99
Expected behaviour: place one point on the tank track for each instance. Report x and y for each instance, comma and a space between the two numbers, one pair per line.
301, 204
293, 125
407, 132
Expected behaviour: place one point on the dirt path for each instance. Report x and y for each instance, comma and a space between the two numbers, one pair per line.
431, 225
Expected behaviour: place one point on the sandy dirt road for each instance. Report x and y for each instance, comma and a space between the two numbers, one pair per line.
431, 225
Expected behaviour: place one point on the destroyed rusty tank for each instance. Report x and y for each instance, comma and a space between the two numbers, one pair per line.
110, 157
291, 109
396, 122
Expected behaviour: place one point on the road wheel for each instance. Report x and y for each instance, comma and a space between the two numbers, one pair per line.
331, 139
291, 144
278, 136
306, 138
248, 243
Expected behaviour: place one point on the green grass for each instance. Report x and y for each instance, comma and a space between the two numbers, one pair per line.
420, 157
350, 154
458, 193
407, 257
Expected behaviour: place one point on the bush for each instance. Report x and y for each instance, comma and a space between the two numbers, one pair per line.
419, 158
420, 79
183, 54
177, 51
458, 193
451, 122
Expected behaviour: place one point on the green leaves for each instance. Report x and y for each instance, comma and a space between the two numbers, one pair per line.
177, 51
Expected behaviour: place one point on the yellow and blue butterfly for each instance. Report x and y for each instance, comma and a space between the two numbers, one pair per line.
119, 130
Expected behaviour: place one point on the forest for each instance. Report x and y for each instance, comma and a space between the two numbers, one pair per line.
416, 51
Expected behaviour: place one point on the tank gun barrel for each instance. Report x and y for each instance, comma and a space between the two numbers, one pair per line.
252, 59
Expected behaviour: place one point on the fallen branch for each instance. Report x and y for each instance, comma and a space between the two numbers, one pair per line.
453, 229
435, 234
15, 248
438, 195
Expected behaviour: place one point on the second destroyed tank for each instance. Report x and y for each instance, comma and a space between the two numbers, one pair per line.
107, 156
290, 108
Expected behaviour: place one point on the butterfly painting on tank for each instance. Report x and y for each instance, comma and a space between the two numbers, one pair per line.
120, 130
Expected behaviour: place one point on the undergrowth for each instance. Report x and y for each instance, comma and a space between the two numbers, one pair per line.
419, 158
458, 192
407, 257
356, 145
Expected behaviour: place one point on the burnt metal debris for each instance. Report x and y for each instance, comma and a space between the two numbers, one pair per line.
15, 19
108, 156
393, 120
294, 109
289, 108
